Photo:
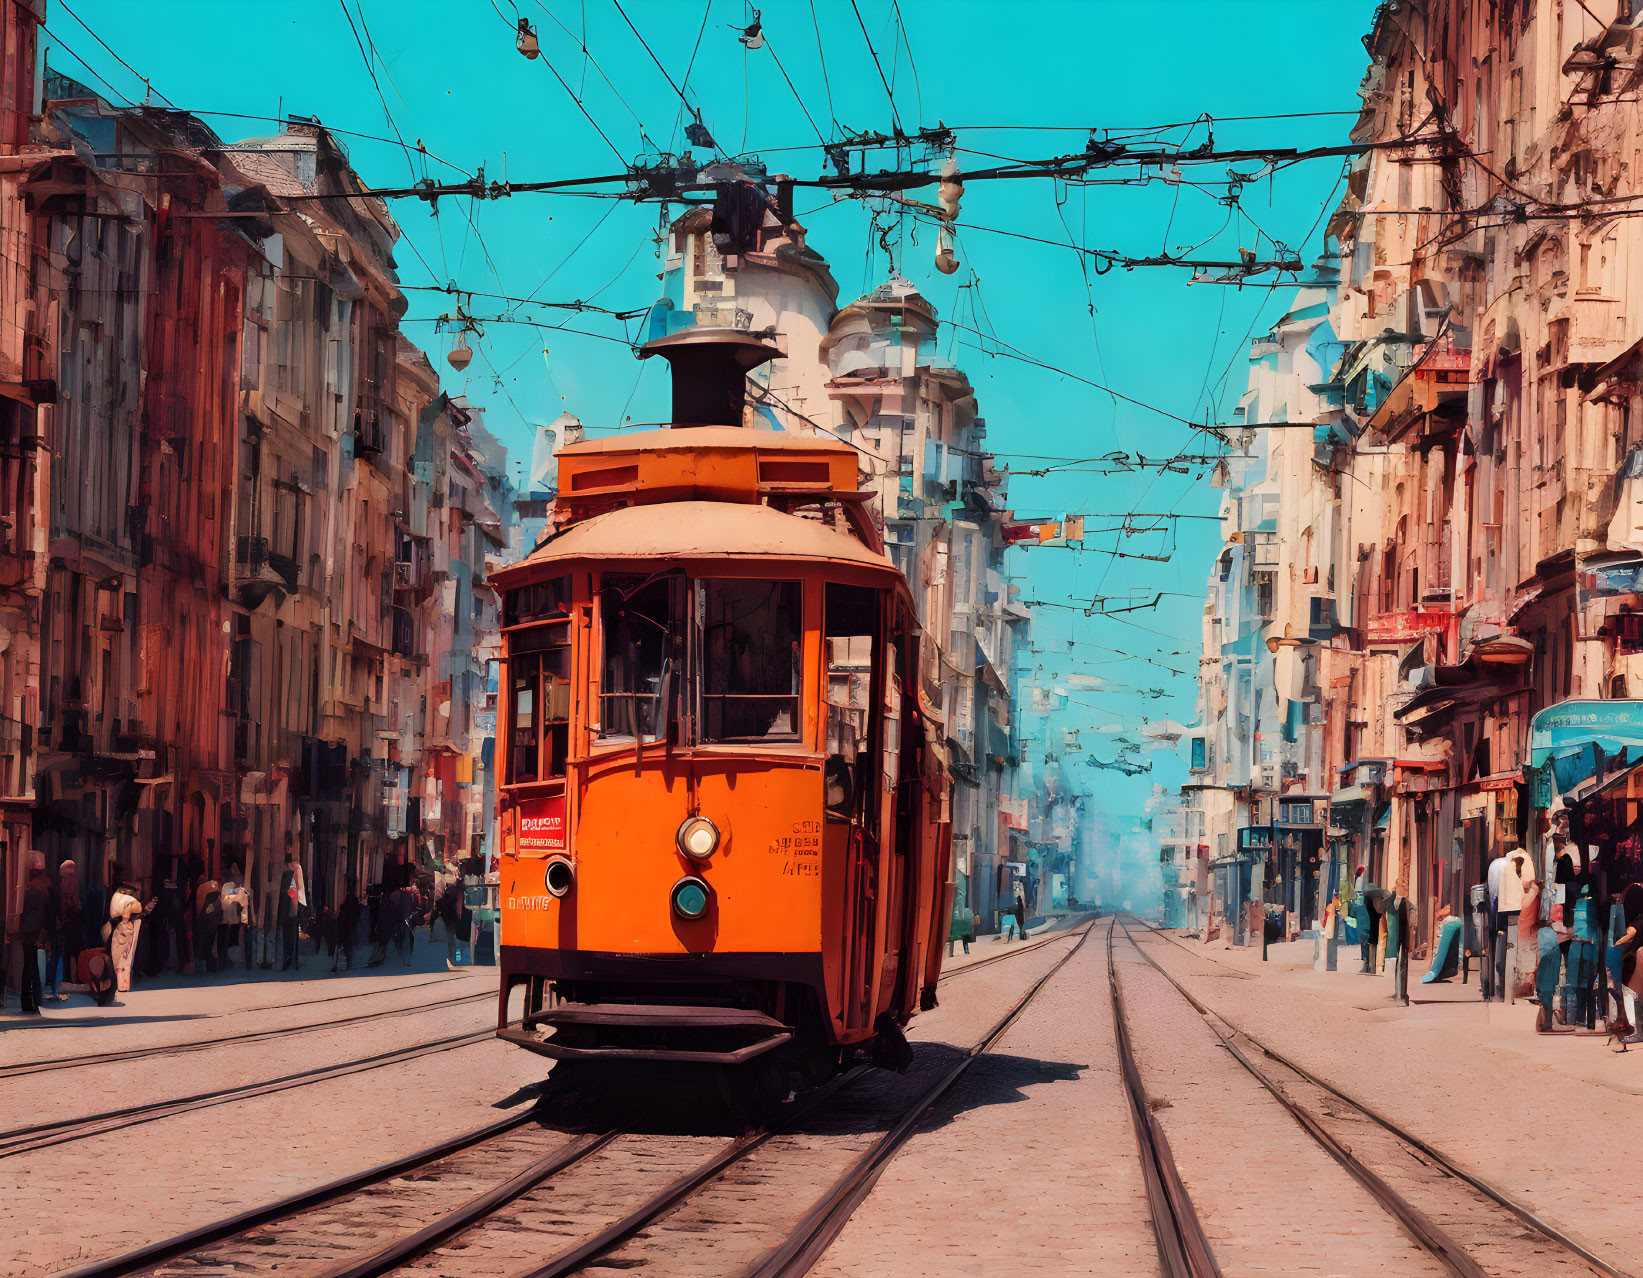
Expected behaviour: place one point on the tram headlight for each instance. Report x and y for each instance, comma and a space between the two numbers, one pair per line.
559, 876
698, 838
690, 897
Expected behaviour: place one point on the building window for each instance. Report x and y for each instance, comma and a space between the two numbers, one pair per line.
752, 642
1628, 632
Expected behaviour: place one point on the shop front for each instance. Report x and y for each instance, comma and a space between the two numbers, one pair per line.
1586, 769
1297, 857
1239, 881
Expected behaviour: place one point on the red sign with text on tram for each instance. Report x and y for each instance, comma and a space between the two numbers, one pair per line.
542, 825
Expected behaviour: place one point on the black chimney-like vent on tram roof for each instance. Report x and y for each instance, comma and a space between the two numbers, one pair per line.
710, 368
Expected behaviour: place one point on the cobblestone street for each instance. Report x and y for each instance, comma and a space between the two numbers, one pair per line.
1029, 1165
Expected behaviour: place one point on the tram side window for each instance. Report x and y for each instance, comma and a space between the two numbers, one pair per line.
524, 737
640, 617
892, 718
542, 600
539, 703
752, 643
850, 621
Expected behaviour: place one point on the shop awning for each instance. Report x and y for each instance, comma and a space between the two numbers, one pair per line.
1609, 783
1436, 699
1572, 737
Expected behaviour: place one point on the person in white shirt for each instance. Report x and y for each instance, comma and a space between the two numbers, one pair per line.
1517, 872
1493, 976
236, 910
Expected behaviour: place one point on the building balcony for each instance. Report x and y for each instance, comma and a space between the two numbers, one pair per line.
258, 570
370, 435
1263, 550
1596, 330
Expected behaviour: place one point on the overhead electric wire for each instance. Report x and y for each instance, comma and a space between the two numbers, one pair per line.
483, 320
575, 249
147, 83
576, 305
796, 97
569, 92
895, 117
91, 70
695, 112
701, 30
918, 88
821, 55
1148, 128
392, 123
587, 53
1014, 353
370, 70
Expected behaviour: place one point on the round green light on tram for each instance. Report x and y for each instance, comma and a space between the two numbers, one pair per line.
690, 898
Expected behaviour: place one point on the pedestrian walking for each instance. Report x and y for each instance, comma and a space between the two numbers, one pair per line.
125, 916
236, 909
1378, 925
347, 928
450, 910
381, 926
170, 930
192, 876
207, 923
401, 910
1020, 914
34, 926
69, 937
291, 900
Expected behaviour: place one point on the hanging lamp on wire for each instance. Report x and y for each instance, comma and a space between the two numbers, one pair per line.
461, 355
526, 42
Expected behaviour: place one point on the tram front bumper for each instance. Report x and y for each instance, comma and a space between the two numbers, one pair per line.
649, 1032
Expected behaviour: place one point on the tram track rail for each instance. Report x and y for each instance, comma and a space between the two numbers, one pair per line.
1456, 1255
1184, 1248
124, 1055
37, 1136
793, 1255
22, 1140
816, 1230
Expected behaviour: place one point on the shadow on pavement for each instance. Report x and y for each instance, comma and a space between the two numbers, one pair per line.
658, 1101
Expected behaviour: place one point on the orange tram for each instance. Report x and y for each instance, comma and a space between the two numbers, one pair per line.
723, 802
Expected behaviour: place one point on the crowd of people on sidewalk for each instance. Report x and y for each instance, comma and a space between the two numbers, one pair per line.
97, 938
1563, 935
1558, 926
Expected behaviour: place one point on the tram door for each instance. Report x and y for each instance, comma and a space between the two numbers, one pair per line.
850, 632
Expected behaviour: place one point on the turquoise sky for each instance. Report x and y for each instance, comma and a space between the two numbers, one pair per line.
453, 79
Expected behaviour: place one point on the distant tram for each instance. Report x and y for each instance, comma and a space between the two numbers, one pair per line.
723, 801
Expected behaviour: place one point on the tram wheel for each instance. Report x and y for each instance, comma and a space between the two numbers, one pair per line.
751, 1091
891, 1050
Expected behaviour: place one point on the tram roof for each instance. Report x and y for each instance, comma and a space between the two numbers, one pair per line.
704, 530
686, 438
